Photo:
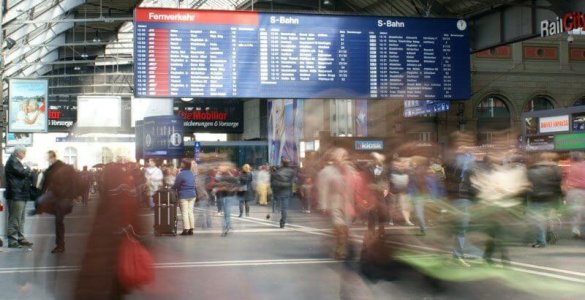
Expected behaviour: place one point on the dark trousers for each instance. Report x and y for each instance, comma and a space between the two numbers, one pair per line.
378, 215
60, 229
244, 203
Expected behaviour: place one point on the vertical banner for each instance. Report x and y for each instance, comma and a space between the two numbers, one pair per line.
139, 133
163, 137
284, 130
361, 118
197, 152
27, 105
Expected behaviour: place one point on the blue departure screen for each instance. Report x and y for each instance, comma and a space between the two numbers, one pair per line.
237, 54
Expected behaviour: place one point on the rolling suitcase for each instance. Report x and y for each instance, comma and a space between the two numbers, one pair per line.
165, 213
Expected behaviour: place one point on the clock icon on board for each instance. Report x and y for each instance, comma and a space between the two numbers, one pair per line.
461, 25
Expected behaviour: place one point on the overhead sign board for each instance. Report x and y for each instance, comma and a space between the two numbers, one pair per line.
374, 145
62, 115
575, 141
554, 124
414, 108
247, 54
163, 137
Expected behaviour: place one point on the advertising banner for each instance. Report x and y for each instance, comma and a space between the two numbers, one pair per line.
579, 122
27, 105
19, 139
540, 143
62, 115
575, 141
554, 124
163, 137
211, 116
283, 121
139, 133
361, 118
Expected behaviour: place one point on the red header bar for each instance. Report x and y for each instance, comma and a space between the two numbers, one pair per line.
164, 15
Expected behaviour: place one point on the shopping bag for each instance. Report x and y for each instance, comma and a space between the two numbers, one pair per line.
135, 265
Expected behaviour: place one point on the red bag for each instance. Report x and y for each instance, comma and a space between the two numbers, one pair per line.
135, 265
364, 198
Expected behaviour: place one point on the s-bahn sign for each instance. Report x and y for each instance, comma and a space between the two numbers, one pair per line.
569, 22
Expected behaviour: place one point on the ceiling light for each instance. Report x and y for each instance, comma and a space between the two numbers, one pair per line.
77, 68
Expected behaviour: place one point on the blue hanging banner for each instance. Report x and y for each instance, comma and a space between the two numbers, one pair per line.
197, 151
163, 137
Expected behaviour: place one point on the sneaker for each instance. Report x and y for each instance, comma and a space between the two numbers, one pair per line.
220, 214
25, 243
58, 250
538, 245
391, 223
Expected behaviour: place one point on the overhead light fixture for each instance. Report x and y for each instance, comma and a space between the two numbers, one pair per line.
327, 2
96, 38
186, 99
10, 43
84, 54
77, 68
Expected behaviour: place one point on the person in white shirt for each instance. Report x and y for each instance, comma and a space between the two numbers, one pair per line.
154, 178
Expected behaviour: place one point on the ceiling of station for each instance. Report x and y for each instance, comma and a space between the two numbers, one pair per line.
69, 40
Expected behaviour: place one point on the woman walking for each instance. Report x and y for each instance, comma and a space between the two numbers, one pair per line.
185, 187
246, 193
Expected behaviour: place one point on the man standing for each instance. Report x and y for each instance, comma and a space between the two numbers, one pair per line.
86, 183
18, 184
282, 183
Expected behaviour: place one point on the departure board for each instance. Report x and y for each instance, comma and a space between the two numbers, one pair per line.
245, 54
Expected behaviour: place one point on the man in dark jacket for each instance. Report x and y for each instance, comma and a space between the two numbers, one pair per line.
546, 177
281, 182
62, 184
18, 184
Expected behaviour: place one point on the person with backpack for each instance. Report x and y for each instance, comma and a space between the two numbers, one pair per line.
281, 181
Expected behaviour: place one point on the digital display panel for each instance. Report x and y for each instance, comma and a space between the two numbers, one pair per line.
237, 54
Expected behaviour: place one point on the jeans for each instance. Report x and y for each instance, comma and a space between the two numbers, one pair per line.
187, 213
283, 198
540, 212
204, 216
16, 211
244, 203
419, 210
228, 201
461, 227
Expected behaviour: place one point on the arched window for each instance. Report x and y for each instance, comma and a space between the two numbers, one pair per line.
70, 156
539, 103
107, 155
492, 107
579, 102
493, 119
